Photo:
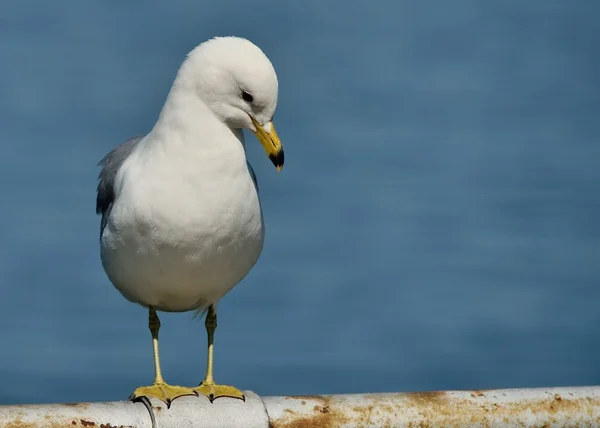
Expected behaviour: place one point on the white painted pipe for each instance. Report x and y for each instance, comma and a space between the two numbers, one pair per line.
547, 407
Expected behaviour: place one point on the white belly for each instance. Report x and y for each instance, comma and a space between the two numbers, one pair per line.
180, 250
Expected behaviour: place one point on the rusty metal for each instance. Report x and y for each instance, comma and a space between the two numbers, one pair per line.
185, 412
560, 407
75, 415
551, 407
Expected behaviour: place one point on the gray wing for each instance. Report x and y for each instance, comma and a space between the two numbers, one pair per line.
111, 163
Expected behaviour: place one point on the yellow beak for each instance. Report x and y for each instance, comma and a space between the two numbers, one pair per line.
270, 141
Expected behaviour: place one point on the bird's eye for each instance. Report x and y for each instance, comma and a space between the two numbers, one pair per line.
247, 97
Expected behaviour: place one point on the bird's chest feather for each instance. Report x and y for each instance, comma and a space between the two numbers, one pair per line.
190, 218
180, 244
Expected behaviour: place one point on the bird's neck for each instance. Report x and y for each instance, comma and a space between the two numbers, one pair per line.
186, 129
185, 112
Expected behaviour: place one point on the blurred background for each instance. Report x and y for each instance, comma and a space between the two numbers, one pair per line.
436, 225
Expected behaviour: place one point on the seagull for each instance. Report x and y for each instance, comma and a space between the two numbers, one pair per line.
181, 219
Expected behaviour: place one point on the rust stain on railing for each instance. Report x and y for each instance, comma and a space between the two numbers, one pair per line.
325, 413
54, 420
432, 409
560, 407
75, 423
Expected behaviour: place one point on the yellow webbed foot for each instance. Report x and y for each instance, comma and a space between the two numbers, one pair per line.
162, 391
213, 391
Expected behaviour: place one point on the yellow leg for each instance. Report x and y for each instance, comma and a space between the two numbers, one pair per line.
160, 389
208, 386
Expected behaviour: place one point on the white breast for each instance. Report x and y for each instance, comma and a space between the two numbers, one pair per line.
184, 230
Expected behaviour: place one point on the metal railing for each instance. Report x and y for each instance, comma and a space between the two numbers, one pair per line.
543, 407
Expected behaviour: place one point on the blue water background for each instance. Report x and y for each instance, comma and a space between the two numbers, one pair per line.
436, 226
